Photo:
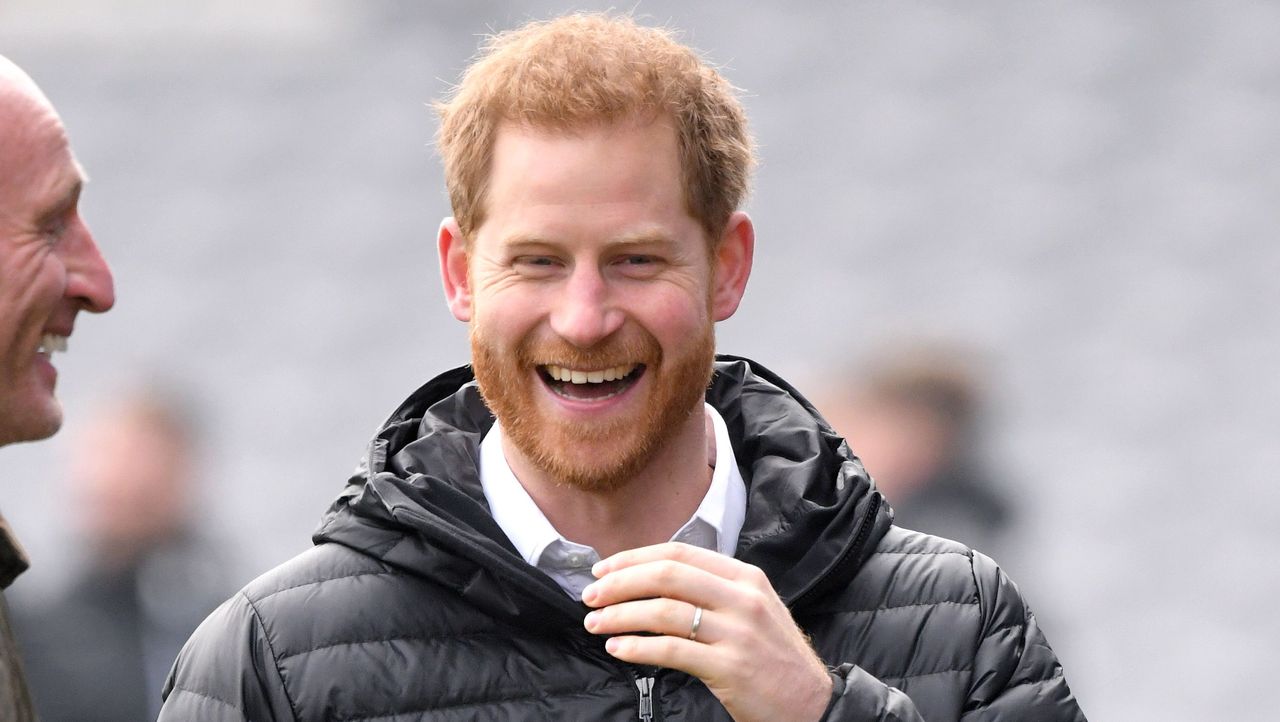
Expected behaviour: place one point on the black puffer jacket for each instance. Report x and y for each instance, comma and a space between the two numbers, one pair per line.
413, 605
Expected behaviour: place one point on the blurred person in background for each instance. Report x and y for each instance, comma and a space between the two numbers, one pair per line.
101, 649
50, 270
913, 415
597, 519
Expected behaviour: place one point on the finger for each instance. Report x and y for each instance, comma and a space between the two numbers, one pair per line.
659, 616
666, 651
705, 559
662, 578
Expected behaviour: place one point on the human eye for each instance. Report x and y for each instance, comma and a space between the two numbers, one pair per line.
59, 216
536, 266
639, 265
55, 228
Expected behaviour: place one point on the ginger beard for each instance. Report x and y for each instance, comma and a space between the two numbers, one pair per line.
593, 457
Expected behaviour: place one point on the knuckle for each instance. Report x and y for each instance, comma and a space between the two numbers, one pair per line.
666, 571
757, 577
673, 613
681, 551
756, 604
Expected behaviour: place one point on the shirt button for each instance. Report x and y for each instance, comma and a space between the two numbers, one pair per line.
575, 560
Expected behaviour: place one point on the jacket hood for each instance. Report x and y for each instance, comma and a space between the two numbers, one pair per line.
415, 502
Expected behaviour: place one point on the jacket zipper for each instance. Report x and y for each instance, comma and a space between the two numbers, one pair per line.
863, 531
645, 685
644, 678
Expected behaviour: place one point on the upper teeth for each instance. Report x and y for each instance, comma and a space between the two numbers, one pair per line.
560, 373
51, 342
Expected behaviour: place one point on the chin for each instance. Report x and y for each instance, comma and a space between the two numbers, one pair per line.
602, 459
33, 421
593, 477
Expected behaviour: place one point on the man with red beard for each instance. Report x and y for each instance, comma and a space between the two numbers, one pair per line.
50, 270
599, 519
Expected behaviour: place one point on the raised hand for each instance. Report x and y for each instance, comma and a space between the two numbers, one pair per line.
718, 619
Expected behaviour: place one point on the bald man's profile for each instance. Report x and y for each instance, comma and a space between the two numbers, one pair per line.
50, 271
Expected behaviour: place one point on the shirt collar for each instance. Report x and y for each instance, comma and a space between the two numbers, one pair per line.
725, 505
723, 508
512, 507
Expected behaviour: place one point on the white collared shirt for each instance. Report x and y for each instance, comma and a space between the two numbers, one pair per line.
715, 524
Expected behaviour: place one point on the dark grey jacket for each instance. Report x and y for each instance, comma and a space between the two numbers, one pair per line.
15, 700
413, 605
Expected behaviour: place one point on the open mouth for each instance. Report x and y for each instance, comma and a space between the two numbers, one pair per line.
51, 343
595, 385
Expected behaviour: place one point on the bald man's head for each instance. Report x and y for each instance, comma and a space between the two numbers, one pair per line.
13, 77
50, 265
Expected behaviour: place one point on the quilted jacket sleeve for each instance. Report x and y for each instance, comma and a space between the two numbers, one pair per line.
226, 672
1016, 676
858, 695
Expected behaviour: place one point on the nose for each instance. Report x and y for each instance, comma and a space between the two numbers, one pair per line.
88, 276
584, 313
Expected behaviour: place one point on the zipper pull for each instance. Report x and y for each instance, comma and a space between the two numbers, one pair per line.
645, 685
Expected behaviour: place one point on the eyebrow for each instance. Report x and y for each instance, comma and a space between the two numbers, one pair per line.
646, 237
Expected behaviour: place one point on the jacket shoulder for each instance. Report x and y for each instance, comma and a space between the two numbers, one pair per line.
913, 586
912, 568
323, 564
230, 668
332, 633
900, 540
976, 650
226, 671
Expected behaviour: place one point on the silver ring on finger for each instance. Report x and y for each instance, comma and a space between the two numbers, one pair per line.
697, 622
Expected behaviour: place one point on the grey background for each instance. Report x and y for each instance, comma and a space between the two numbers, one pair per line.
1086, 190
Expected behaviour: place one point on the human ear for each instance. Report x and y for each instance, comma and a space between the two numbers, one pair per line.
453, 269
732, 265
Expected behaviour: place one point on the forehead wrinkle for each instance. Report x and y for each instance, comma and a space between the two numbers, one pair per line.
37, 142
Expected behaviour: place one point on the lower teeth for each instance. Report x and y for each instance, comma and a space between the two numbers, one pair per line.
560, 391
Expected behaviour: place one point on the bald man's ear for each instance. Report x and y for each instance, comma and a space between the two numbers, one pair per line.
453, 269
732, 265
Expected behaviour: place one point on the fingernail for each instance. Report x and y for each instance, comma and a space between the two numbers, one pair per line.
611, 645
591, 621
597, 569
589, 594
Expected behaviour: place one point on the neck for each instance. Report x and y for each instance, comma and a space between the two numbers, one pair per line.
647, 509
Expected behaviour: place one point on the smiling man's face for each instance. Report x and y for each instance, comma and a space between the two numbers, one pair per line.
50, 266
588, 289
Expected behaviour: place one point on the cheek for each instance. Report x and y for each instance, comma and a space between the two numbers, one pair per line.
30, 287
505, 317
673, 317
28, 269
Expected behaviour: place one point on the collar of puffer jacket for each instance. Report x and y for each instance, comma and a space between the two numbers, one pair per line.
415, 501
